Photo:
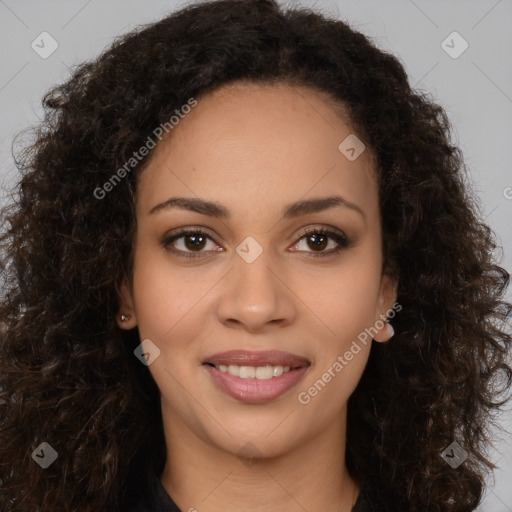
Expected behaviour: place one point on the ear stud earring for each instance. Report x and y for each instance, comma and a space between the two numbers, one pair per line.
125, 318
390, 330
386, 335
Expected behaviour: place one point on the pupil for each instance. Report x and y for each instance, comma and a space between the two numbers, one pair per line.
198, 241
194, 245
321, 244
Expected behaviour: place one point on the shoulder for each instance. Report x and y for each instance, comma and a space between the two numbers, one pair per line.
373, 498
149, 495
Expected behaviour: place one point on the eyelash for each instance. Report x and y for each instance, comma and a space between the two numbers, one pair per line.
341, 240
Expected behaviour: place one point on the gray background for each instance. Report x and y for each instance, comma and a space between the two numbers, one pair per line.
475, 88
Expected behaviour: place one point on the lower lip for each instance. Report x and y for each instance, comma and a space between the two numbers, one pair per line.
255, 391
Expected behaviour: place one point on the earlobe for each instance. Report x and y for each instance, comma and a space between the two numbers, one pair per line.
385, 334
126, 318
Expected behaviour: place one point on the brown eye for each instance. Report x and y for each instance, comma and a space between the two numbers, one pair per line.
193, 242
318, 241
190, 243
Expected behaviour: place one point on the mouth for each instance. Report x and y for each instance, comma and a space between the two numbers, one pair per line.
256, 377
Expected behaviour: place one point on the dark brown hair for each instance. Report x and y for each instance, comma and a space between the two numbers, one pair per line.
68, 375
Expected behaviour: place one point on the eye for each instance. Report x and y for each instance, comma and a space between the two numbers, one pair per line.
319, 240
189, 243
194, 241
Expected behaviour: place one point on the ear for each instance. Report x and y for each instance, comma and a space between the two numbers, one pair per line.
387, 298
126, 318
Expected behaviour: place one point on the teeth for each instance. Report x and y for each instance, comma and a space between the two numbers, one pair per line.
254, 372
246, 372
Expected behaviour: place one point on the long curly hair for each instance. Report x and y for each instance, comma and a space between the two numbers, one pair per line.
68, 375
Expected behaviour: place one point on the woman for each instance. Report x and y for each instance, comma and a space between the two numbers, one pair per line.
244, 272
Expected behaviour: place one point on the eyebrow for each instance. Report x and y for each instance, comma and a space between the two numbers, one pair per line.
290, 211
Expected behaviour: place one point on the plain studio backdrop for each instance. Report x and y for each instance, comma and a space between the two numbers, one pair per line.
459, 51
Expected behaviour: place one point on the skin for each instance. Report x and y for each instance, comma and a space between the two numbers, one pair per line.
255, 149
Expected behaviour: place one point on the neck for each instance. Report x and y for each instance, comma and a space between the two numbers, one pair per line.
313, 476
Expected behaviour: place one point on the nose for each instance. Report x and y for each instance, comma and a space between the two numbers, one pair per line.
256, 296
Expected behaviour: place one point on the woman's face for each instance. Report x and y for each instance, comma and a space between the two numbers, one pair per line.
253, 281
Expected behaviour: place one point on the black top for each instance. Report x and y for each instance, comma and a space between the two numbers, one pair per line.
156, 498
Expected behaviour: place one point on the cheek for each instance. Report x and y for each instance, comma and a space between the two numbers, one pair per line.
338, 368
346, 305
164, 296
167, 306
345, 298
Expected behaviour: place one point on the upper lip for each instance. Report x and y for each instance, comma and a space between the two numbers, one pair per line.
261, 358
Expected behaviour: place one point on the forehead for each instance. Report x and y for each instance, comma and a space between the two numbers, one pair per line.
245, 142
